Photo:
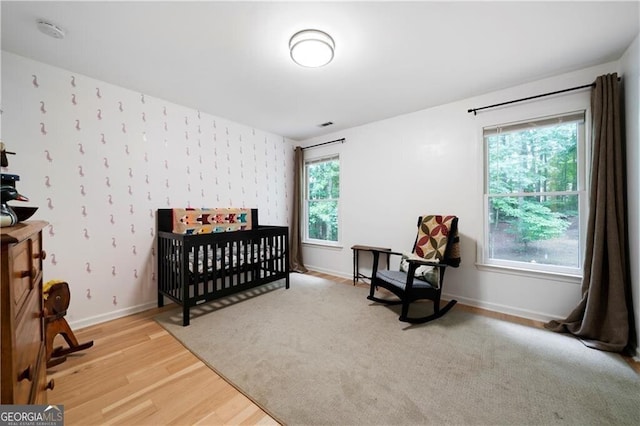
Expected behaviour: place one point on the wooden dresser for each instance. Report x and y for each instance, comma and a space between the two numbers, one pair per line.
23, 362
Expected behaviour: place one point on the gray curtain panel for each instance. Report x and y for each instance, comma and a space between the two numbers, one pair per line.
297, 265
602, 318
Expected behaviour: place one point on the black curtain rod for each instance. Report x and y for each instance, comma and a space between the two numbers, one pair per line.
323, 143
475, 110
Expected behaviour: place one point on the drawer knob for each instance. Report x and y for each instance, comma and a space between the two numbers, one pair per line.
23, 274
26, 374
42, 255
50, 385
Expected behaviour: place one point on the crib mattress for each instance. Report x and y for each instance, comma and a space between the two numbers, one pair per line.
231, 260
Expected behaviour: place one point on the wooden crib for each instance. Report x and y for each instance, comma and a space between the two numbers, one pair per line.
195, 268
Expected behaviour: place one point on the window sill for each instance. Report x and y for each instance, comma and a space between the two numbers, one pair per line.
556, 276
335, 246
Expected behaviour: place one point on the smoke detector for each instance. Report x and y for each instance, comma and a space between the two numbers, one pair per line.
50, 29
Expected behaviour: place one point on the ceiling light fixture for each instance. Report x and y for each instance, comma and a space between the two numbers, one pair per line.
311, 48
50, 29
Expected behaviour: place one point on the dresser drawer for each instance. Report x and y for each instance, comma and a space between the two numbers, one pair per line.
28, 340
39, 395
21, 274
22, 391
37, 255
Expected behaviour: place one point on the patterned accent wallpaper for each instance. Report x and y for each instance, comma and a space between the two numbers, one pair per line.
99, 159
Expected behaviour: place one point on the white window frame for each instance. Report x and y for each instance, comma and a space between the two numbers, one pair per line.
484, 259
305, 224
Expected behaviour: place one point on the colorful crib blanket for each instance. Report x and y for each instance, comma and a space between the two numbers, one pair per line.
206, 221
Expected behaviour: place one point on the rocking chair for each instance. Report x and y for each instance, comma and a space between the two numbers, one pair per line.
421, 273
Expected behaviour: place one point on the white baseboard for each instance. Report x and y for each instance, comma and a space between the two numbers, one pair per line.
86, 322
503, 309
329, 271
495, 307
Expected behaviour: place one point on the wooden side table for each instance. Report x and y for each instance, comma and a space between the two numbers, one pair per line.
356, 262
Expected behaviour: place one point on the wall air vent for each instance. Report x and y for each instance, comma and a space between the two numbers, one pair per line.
328, 123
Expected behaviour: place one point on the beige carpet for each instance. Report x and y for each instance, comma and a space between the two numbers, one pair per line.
320, 353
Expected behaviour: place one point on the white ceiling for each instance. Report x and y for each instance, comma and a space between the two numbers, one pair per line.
231, 59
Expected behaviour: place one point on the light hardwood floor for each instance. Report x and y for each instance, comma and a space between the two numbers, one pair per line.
138, 374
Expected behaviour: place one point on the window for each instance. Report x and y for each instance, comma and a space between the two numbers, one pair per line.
322, 196
534, 194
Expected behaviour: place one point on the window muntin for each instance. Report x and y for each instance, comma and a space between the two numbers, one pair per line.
534, 196
322, 196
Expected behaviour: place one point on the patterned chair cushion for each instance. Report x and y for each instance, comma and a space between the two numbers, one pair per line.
433, 236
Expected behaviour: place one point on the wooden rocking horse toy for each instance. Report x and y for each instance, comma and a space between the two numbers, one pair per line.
56, 301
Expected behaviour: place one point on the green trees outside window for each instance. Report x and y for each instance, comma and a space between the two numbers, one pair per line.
322, 196
533, 194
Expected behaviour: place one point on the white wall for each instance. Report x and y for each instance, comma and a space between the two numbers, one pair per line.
99, 160
430, 161
393, 171
629, 65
